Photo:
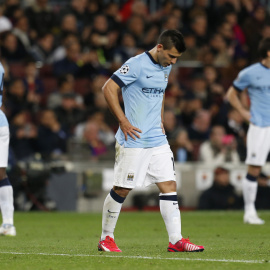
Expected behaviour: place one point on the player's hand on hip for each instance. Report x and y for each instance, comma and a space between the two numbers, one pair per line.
163, 129
245, 114
130, 130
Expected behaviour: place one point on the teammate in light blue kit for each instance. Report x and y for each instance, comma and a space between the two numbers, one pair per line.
143, 155
256, 79
6, 191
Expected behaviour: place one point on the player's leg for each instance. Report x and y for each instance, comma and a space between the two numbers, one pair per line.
169, 210
161, 168
258, 144
124, 180
111, 211
250, 186
6, 198
6, 190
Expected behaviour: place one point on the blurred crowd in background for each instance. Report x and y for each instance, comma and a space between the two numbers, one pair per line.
58, 54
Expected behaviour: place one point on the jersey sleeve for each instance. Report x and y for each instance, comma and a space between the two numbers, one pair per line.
128, 73
242, 81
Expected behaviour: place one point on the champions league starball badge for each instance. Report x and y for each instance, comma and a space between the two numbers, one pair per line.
124, 69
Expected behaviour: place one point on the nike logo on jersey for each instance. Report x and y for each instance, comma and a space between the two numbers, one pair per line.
258, 78
147, 77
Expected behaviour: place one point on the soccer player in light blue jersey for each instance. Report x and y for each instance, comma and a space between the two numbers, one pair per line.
6, 191
256, 79
143, 155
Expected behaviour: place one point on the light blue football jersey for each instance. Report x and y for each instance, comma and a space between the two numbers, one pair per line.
3, 119
256, 78
143, 82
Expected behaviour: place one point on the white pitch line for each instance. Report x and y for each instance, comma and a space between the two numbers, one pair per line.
137, 257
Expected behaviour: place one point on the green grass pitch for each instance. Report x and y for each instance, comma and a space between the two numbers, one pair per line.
69, 241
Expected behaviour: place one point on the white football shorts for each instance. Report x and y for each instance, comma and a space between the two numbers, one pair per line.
4, 142
258, 145
141, 167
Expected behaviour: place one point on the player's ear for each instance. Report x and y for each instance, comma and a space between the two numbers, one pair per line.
159, 47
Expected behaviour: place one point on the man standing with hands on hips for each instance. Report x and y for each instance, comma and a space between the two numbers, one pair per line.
143, 155
256, 78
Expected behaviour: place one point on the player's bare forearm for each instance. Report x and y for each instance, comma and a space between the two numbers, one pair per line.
110, 91
232, 96
162, 109
162, 115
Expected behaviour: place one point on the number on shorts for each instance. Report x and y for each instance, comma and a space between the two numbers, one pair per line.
2, 83
173, 163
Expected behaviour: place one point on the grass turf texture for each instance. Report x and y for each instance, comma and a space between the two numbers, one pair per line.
69, 241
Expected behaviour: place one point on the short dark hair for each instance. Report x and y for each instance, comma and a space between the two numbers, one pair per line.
264, 47
172, 38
